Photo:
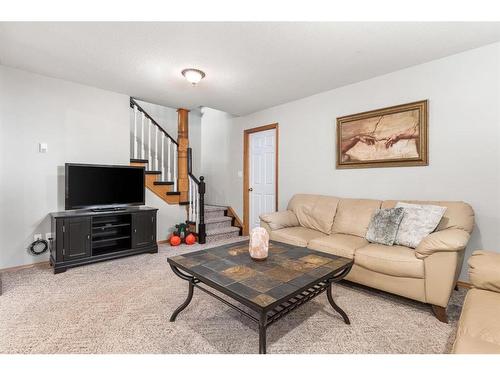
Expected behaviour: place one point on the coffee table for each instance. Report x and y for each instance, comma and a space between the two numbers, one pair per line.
270, 289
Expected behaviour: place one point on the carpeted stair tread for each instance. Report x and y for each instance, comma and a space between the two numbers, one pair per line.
214, 208
222, 231
220, 219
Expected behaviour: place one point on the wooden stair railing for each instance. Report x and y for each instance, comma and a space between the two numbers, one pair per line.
196, 208
153, 151
162, 164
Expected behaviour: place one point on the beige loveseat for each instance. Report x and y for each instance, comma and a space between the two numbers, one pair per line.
338, 226
479, 327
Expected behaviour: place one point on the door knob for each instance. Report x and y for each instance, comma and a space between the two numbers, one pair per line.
250, 189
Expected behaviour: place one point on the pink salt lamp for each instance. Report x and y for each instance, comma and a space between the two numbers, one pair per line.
259, 244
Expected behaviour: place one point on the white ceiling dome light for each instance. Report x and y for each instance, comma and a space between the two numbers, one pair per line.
193, 75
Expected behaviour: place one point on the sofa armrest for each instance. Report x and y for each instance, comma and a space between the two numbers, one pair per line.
444, 240
484, 270
281, 219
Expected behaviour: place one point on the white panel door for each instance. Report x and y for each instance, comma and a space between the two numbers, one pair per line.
262, 181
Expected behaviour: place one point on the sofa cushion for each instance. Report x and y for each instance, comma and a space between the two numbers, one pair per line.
343, 245
314, 211
298, 236
354, 215
390, 260
281, 219
458, 215
484, 270
479, 327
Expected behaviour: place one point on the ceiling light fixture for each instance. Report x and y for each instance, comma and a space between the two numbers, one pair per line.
193, 75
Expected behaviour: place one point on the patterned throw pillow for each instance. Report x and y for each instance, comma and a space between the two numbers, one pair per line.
418, 222
384, 226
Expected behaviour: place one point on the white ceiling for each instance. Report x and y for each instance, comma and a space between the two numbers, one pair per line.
249, 66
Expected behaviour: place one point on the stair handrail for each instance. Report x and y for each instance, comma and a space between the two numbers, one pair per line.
133, 103
158, 162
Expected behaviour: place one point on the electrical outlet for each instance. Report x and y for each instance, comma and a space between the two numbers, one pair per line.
37, 236
48, 236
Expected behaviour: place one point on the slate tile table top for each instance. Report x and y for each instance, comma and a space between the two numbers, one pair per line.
290, 276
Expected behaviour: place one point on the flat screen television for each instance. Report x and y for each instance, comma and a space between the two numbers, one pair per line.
103, 186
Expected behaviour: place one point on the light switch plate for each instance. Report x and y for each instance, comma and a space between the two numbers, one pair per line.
43, 148
240, 174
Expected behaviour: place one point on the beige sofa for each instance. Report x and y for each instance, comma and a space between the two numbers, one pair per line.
338, 226
479, 327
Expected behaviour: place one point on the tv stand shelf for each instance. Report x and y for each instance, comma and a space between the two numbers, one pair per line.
86, 236
108, 226
94, 242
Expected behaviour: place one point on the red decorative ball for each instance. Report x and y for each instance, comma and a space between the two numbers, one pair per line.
190, 239
175, 240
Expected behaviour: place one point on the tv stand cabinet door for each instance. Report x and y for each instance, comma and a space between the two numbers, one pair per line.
77, 238
143, 229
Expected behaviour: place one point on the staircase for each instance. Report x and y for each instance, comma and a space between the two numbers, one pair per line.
219, 227
155, 183
168, 170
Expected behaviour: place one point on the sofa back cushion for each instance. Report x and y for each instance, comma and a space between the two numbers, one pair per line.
354, 215
458, 215
314, 211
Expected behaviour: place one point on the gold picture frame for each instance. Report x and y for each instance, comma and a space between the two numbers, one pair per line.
389, 137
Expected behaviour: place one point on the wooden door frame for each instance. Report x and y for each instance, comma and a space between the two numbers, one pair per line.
246, 166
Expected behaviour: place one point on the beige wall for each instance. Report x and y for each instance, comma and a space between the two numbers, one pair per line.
217, 136
80, 124
464, 140
68, 117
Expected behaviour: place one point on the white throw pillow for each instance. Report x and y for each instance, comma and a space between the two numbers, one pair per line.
418, 222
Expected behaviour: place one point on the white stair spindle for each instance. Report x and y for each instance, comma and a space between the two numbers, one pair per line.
135, 132
190, 211
157, 168
193, 202
142, 136
190, 207
175, 167
162, 156
195, 205
149, 146
169, 174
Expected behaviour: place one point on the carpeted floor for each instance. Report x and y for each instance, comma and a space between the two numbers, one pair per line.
123, 306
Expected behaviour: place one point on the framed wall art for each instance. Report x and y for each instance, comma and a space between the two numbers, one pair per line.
388, 137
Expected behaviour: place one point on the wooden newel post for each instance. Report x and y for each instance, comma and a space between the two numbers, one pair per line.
182, 154
202, 235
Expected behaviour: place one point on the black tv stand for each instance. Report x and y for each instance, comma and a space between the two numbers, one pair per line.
86, 236
108, 209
